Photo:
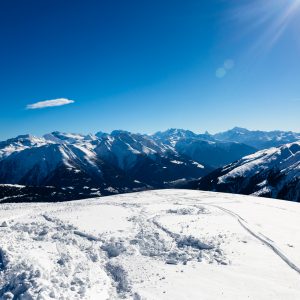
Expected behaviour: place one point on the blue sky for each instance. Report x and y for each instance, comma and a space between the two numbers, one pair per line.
145, 66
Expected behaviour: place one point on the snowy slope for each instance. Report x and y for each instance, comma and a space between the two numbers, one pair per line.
274, 172
170, 244
20, 143
35, 165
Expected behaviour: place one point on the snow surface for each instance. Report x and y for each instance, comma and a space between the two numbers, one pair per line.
166, 244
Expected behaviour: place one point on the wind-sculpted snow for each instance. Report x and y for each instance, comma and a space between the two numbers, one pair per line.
170, 244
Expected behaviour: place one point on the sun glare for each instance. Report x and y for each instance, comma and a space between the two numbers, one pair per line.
269, 18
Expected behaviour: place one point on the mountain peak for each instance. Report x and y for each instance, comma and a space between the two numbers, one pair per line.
174, 132
239, 129
24, 138
101, 134
61, 137
119, 131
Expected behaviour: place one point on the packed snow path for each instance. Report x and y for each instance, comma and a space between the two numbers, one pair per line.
169, 244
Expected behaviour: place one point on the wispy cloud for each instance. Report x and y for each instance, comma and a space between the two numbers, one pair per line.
50, 103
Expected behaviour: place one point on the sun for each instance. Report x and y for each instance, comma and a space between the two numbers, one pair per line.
269, 19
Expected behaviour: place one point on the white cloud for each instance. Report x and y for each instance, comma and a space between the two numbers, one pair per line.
50, 103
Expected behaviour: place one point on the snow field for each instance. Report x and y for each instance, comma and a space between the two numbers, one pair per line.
169, 244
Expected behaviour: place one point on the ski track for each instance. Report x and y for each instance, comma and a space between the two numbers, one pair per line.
261, 237
264, 239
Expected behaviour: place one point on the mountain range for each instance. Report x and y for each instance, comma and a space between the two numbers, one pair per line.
258, 139
65, 166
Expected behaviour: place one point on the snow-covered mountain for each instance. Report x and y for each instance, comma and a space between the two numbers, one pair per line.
124, 149
42, 165
106, 163
258, 139
203, 148
173, 135
68, 166
19, 143
274, 172
213, 153
167, 245
146, 159
117, 162
70, 138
